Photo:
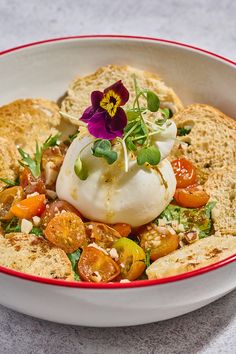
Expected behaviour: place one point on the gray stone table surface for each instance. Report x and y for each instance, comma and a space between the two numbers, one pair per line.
209, 24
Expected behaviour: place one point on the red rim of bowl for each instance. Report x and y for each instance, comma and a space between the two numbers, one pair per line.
136, 283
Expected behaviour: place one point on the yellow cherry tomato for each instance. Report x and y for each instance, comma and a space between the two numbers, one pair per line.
131, 258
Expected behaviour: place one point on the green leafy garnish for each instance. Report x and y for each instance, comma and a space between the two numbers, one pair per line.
33, 164
166, 112
153, 102
36, 231
51, 141
149, 154
183, 131
147, 257
80, 169
11, 226
103, 148
9, 182
73, 136
199, 219
74, 258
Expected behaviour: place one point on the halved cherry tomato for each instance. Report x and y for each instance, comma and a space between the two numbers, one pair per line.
54, 209
185, 172
102, 234
27, 208
67, 232
123, 229
96, 266
52, 159
131, 258
8, 198
30, 184
159, 240
191, 197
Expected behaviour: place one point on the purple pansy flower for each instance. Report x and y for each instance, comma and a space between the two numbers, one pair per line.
105, 118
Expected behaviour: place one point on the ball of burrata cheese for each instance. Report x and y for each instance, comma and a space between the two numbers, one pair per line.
111, 195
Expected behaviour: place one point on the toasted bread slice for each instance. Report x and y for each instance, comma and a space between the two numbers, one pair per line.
212, 139
221, 186
26, 120
202, 253
78, 95
9, 165
34, 255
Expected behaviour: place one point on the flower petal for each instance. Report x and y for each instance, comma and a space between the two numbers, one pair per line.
120, 90
87, 115
96, 97
119, 121
98, 126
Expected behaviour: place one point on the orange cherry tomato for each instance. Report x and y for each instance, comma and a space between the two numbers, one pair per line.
102, 234
191, 197
159, 240
54, 209
27, 208
185, 172
96, 266
8, 198
67, 232
30, 184
123, 229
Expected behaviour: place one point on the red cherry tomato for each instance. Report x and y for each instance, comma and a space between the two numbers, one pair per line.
185, 172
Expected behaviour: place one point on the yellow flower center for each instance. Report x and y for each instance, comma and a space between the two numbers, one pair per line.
110, 102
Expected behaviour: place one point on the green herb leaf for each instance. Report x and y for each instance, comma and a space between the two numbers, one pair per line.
130, 145
153, 102
166, 112
73, 136
36, 231
33, 164
199, 219
183, 131
11, 226
74, 258
103, 148
132, 114
52, 140
147, 257
80, 169
150, 155
9, 183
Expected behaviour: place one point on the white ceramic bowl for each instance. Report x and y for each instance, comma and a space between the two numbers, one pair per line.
45, 69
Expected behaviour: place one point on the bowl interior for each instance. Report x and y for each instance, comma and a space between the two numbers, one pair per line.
45, 70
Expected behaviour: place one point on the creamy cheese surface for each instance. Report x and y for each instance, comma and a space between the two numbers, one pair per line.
110, 194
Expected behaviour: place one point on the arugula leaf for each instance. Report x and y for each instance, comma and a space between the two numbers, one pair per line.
153, 102
52, 140
36, 231
33, 164
9, 182
147, 257
150, 155
80, 169
183, 131
74, 258
103, 148
11, 226
199, 219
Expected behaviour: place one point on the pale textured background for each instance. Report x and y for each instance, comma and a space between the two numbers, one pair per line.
209, 24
